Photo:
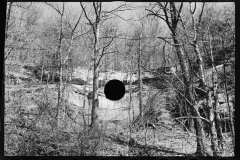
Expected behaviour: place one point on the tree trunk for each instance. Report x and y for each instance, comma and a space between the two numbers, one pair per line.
59, 103
185, 76
43, 67
7, 19
130, 86
140, 80
201, 63
212, 124
85, 127
95, 102
230, 112
6, 29
130, 95
214, 105
201, 148
217, 121
211, 109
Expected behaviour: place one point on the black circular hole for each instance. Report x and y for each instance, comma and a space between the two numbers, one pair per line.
114, 90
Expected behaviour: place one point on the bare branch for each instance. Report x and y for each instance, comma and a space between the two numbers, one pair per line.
200, 16
119, 17
179, 11
95, 10
77, 22
81, 35
100, 9
83, 8
154, 14
200, 117
167, 18
158, 75
164, 39
192, 11
103, 51
185, 32
52, 6
7, 54
119, 8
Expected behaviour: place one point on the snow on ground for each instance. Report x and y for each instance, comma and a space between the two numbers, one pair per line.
134, 77
83, 73
148, 75
108, 110
81, 87
118, 75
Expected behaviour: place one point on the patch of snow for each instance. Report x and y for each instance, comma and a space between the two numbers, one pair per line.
82, 73
148, 75
108, 110
127, 77
117, 75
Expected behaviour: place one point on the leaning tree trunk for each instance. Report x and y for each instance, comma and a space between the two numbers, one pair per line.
201, 148
211, 108
172, 15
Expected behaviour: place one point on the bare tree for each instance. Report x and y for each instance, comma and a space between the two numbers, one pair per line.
7, 19
201, 72
96, 31
204, 81
60, 60
140, 78
171, 15
101, 48
63, 53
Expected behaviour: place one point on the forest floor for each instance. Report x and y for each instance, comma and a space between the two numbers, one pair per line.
167, 139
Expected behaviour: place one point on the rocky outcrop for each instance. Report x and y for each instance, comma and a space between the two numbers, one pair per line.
78, 81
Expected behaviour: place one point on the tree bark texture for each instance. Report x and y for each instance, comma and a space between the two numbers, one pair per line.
140, 80
95, 102
201, 149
